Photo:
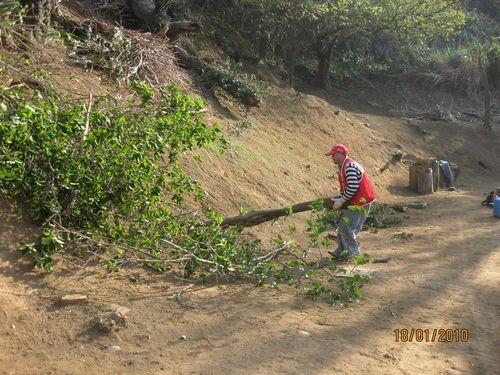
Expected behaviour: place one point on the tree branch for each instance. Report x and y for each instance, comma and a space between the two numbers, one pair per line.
261, 216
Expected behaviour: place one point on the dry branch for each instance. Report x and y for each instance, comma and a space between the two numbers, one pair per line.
74, 194
149, 53
464, 78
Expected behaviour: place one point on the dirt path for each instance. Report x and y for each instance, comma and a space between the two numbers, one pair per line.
443, 276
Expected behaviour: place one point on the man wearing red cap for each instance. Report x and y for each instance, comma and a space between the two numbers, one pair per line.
356, 191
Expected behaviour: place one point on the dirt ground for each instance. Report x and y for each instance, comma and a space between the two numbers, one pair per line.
443, 272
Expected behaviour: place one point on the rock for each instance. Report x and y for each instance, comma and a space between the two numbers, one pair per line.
146, 11
304, 333
337, 112
114, 348
73, 299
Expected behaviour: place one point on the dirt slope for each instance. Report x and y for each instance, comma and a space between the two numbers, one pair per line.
443, 274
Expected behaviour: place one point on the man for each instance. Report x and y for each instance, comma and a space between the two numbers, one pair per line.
355, 201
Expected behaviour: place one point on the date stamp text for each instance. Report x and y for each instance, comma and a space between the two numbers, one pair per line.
431, 335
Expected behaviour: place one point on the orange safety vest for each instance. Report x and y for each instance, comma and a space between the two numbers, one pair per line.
365, 194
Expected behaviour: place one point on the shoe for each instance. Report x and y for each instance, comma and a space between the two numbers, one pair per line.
332, 236
340, 258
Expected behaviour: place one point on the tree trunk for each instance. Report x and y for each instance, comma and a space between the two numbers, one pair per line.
487, 98
324, 54
413, 177
493, 69
292, 53
425, 182
261, 216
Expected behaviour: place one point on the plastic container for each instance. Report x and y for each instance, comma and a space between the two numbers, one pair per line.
496, 207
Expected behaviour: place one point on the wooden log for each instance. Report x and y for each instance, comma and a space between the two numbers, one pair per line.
434, 164
260, 216
425, 182
73, 299
417, 168
413, 177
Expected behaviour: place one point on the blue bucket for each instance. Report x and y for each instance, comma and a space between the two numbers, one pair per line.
496, 207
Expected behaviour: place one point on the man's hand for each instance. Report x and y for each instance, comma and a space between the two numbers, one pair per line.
338, 202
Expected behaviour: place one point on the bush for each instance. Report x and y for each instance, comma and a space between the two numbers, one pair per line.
353, 65
47, 160
242, 86
381, 216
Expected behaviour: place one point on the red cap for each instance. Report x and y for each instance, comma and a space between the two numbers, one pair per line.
338, 148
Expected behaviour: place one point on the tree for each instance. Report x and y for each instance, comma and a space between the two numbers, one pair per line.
277, 27
334, 23
488, 7
403, 21
289, 19
323, 27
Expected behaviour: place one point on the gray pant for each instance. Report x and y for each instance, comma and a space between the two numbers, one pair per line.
351, 223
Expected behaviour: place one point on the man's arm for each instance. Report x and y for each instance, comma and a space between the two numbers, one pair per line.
353, 178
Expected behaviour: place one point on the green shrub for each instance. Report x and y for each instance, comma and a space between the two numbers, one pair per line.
381, 216
116, 169
353, 65
242, 86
